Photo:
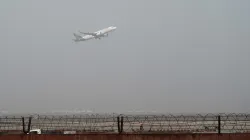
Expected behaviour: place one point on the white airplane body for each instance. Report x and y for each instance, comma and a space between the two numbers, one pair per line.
96, 35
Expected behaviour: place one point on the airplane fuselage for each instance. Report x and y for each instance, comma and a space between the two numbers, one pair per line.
96, 35
104, 31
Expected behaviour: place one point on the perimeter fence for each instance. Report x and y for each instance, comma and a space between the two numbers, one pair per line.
114, 123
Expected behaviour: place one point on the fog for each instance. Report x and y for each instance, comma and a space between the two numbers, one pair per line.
165, 56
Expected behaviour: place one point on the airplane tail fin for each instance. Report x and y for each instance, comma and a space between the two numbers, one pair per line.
77, 36
80, 32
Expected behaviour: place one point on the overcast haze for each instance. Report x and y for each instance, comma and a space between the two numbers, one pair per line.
167, 56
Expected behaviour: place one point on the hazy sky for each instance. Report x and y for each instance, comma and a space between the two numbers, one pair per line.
166, 55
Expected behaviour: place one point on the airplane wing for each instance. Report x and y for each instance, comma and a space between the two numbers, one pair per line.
93, 34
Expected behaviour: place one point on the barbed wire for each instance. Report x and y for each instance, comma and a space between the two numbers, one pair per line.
82, 123
229, 123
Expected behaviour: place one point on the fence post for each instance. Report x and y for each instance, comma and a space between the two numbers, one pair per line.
23, 126
219, 125
118, 124
24, 130
121, 124
29, 124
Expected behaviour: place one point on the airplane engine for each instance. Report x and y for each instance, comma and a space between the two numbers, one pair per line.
106, 35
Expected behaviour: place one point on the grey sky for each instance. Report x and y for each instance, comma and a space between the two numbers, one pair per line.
166, 56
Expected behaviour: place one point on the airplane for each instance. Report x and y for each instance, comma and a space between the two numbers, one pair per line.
96, 35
